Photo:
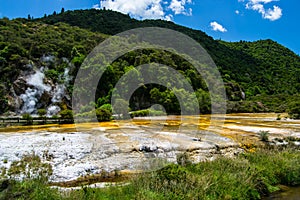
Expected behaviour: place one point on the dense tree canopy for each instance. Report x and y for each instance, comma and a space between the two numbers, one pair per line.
252, 70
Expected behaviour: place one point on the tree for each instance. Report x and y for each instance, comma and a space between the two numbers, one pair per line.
103, 115
107, 107
294, 110
42, 113
66, 114
28, 118
62, 10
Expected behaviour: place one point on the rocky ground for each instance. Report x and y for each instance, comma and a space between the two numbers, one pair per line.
76, 154
129, 147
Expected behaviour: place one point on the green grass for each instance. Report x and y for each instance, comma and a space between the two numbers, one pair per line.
248, 176
264, 135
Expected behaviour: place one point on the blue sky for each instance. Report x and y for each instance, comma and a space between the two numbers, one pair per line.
230, 20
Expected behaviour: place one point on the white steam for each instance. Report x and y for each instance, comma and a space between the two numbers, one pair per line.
37, 87
34, 92
52, 110
58, 94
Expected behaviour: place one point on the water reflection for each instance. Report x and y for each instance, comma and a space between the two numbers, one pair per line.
292, 193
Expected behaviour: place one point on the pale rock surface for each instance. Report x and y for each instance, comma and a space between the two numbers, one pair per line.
77, 154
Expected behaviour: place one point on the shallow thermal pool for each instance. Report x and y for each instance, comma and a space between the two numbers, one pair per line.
91, 148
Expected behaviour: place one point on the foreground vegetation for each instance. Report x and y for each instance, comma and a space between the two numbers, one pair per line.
247, 176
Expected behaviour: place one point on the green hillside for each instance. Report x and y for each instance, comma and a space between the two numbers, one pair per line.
277, 69
260, 69
23, 43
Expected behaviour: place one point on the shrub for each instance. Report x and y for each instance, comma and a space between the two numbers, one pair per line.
33, 184
106, 107
172, 172
292, 139
147, 112
30, 167
183, 159
55, 117
294, 110
157, 112
52, 74
28, 118
66, 114
264, 135
103, 115
278, 117
139, 113
42, 112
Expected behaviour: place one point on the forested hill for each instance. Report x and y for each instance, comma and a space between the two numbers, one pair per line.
277, 68
259, 67
39, 59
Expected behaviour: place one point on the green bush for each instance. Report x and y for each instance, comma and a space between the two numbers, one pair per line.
103, 115
157, 113
30, 167
52, 74
147, 112
106, 107
78, 60
66, 114
28, 118
54, 117
294, 110
278, 117
42, 112
139, 113
34, 183
183, 159
264, 135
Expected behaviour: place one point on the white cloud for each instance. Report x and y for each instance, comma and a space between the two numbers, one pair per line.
169, 17
274, 14
237, 12
148, 9
261, 1
258, 7
96, 6
217, 27
178, 7
271, 14
139, 9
